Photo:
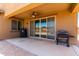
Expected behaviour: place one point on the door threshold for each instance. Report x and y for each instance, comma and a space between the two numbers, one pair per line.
39, 38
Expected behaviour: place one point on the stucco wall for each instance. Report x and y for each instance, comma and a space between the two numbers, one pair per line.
64, 20
67, 21
5, 28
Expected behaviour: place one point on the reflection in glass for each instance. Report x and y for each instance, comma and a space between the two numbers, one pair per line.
51, 28
37, 28
43, 28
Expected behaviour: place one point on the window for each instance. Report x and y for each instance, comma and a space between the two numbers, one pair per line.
16, 25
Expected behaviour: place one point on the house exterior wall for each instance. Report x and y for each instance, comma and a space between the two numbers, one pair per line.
64, 20
5, 24
5, 28
68, 21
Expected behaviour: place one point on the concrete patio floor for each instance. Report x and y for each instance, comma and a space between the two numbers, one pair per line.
7, 49
43, 47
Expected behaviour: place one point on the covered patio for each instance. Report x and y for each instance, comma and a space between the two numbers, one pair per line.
34, 47
41, 21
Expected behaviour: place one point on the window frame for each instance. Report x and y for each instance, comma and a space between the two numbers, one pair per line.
17, 27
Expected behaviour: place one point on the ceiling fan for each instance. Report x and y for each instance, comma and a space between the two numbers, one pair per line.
34, 14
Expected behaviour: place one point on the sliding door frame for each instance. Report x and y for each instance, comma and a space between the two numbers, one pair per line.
46, 25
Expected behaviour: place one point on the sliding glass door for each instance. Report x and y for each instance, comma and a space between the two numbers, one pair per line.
44, 28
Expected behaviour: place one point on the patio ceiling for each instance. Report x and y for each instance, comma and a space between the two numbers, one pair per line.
47, 9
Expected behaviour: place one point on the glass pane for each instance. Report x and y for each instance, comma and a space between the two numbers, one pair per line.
43, 28
19, 25
32, 28
51, 28
37, 28
14, 25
